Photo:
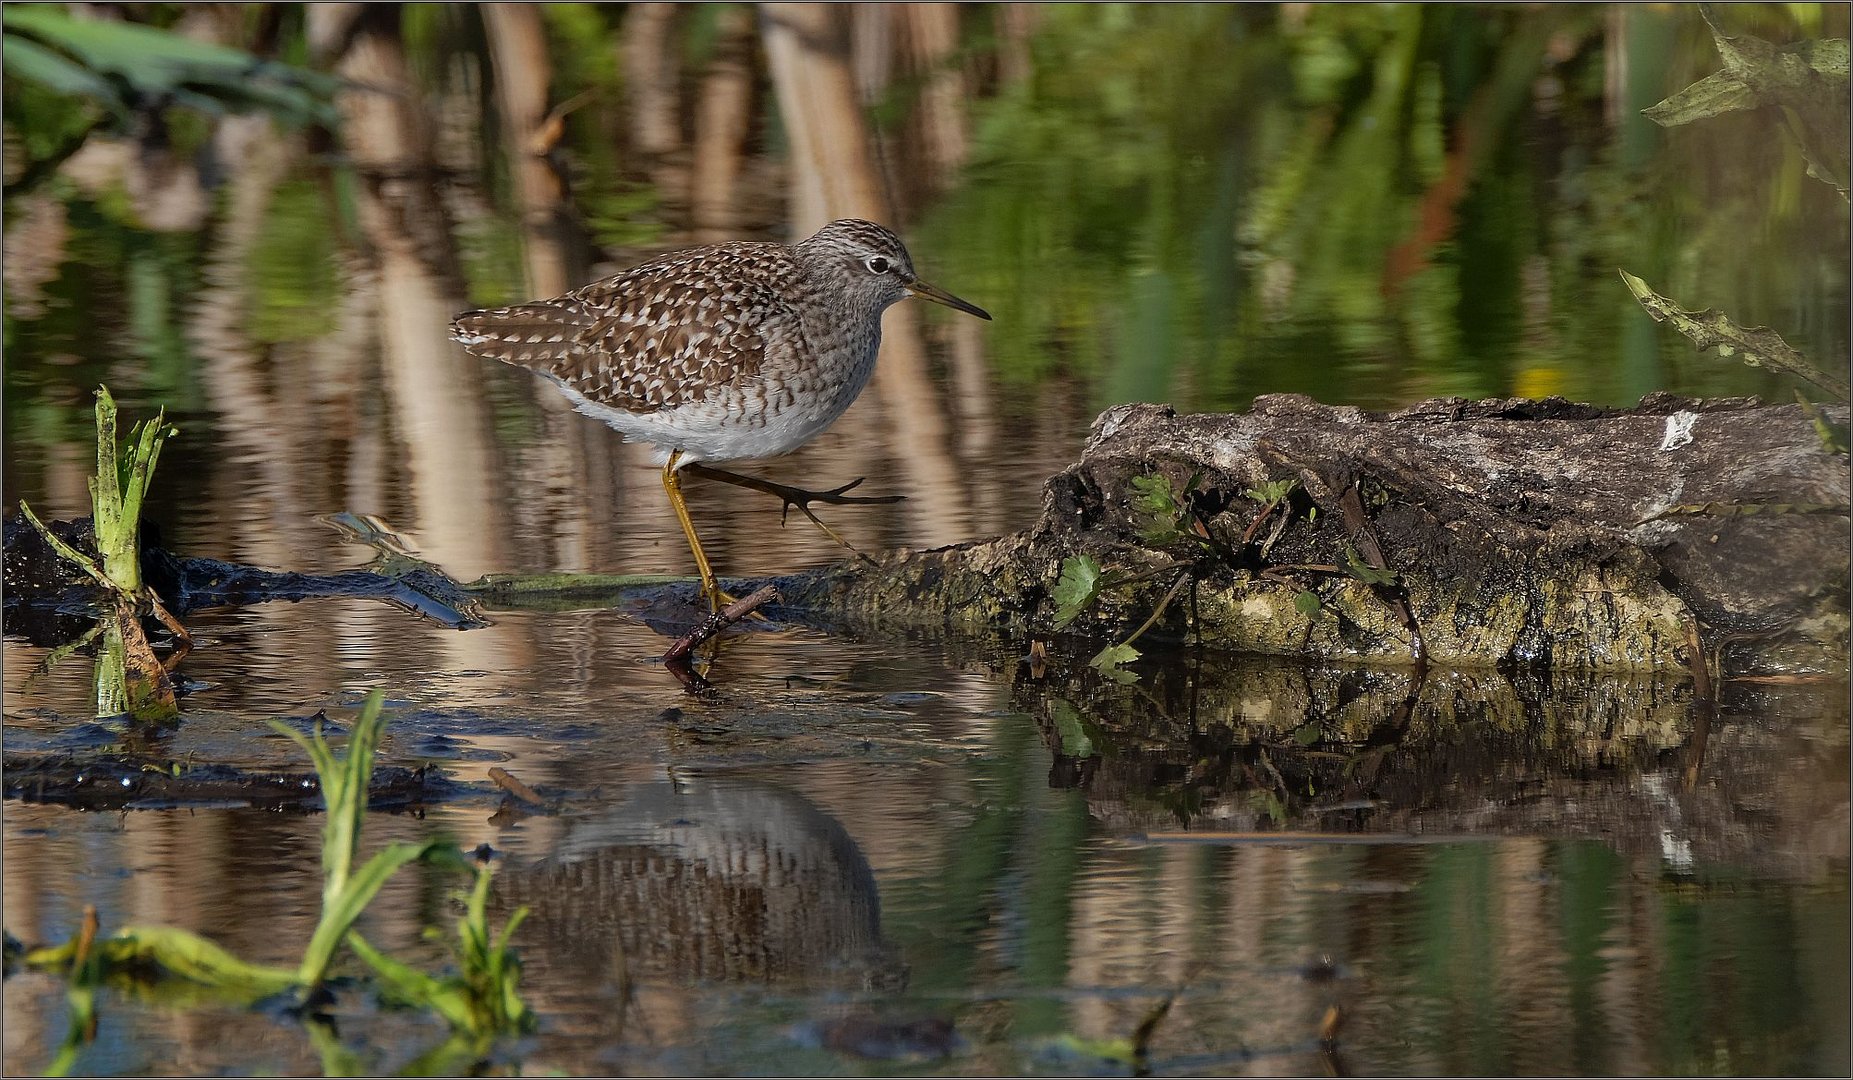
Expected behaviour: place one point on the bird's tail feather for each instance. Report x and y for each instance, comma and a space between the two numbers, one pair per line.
527, 335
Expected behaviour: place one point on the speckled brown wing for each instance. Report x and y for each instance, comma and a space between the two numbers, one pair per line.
658, 336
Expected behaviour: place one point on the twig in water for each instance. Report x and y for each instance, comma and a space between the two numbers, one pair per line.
1704, 706
509, 783
676, 659
1176, 586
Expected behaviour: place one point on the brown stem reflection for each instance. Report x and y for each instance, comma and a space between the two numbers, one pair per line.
652, 83
939, 118
723, 116
834, 174
523, 68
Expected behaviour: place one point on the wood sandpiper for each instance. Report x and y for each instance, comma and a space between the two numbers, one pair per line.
720, 353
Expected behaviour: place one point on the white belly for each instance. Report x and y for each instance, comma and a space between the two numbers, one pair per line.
766, 419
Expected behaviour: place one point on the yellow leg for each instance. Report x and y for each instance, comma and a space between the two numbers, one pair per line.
671, 484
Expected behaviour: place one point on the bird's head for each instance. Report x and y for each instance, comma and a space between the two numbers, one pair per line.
871, 264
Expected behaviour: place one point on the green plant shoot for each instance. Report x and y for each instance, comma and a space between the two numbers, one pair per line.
485, 997
1356, 567
345, 890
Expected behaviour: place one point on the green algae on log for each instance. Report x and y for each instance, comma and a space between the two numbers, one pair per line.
1514, 531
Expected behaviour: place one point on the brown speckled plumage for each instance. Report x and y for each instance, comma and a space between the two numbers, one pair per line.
717, 353
657, 336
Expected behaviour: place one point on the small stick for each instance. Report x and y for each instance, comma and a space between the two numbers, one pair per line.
507, 782
1351, 506
714, 624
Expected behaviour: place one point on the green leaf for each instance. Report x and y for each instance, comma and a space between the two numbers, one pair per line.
1153, 495
1306, 602
1273, 491
1162, 506
178, 953
191, 956
106, 490
1074, 729
340, 913
406, 985
1111, 662
1077, 587
1156, 500
1714, 95
27, 59
1760, 346
156, 64
1112, 1051
1308, 733
1269, 803
1369, 575
72, 555
1833, 436
1806, 82
485, 998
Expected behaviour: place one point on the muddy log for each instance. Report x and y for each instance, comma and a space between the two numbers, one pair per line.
1471, 533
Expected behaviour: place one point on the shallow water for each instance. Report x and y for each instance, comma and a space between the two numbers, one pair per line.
882, 853
869, 834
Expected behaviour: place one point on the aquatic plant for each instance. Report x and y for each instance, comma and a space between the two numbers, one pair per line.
480, 1002
346, 891
128, 678
484, 997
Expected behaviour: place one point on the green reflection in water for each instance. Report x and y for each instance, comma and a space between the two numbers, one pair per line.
293, 270
1379, 203
1585, 919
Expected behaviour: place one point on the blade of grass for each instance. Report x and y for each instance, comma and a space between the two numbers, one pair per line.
339, 916
409, 986
106, 490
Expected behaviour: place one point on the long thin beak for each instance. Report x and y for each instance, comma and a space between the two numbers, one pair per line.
940, 296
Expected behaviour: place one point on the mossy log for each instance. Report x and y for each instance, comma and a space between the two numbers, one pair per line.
1466, 533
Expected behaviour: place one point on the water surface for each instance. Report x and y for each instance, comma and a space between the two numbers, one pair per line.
882, 853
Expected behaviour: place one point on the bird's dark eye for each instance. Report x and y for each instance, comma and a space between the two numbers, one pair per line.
877, 264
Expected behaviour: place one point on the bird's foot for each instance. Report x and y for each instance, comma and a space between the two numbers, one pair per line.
801, 498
